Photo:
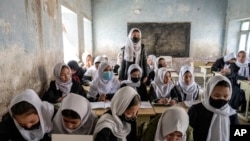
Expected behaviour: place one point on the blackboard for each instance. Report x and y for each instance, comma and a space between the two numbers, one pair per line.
165, 39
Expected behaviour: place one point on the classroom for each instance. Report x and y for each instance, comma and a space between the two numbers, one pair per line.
37, 35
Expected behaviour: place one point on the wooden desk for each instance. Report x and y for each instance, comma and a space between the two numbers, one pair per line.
68, 137
162, 109
142, 111
205, 70
245, 85
216, 73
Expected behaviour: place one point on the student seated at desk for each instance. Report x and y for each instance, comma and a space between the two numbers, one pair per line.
28, 119
90, 74
134, 80
161, 87
159, 63
172, 125
77, 72
86, 60
186, 88
63, 85
239, 71
211, 119
74, 116
104, 86
119, 123
222, 64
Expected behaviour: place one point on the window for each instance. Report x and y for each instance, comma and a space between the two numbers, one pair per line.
244, 42
70, 35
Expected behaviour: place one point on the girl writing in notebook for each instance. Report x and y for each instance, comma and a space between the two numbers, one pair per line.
161, 87
119, 123
105, 84
74, 116
28, 119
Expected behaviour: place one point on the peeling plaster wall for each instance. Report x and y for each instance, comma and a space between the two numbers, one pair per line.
30, 46
110, 18
236, 11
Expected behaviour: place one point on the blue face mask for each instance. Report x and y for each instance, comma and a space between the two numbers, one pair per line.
107, 75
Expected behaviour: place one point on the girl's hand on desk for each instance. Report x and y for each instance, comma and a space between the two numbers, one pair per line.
163, 101
173, 102
102, 97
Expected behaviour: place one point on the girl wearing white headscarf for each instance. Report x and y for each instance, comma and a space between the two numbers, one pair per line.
28, 119
211, 119
151, 62
239, 71
173, 121
76, 108
87, 60
159, 63
186, 88
134, 81
117, 124
161, 87
133, 53
63, 85
105, 84
243, 64
91, 72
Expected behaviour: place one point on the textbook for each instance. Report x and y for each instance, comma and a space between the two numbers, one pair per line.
100, 105
106, 105
145, 105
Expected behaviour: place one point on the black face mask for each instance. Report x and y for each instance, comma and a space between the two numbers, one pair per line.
217, 103
33, 127
135, 79
129, 120
135, 40
160, 65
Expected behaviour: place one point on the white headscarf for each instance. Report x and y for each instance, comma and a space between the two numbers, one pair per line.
162, 90
65, 87
105, 86
229, 57
132, 50
45, 112
219, 129
92, 70
119, 104
153, 59
244, 68
84, 59
82, 107
190, 89
129, 82
173, 119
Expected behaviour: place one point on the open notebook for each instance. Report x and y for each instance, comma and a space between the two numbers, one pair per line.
100, 105
105, 105
69, 137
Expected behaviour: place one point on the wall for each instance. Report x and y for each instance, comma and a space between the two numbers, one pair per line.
110, 18
236, 11
30, 44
